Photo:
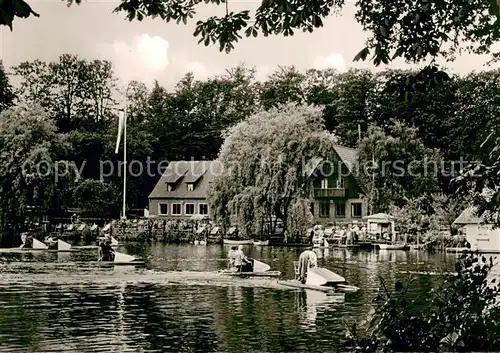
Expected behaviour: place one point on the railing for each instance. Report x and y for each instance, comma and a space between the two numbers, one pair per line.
333, 192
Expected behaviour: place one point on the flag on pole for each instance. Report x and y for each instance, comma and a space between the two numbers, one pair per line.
121, 124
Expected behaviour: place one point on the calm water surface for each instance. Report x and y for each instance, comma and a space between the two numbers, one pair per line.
56, 303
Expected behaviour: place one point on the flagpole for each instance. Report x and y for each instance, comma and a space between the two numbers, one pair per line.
124, 215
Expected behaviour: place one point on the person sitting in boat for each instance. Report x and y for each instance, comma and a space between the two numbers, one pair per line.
27, 240
307, 259
51, 242
242, 263
232, 256
107, 252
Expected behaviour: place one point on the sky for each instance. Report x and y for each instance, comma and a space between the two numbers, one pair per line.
153, 49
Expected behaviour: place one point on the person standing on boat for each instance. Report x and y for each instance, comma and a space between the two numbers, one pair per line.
307, 259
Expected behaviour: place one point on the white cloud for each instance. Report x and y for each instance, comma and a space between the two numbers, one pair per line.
263, 73
144, 58
332, 61
199, 70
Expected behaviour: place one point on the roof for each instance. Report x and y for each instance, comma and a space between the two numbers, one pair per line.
380, 216
312, 165
198, 170
468, 216
172, 175
348, 156
186, 172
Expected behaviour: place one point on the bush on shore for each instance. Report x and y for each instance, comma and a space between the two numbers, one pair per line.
460, 315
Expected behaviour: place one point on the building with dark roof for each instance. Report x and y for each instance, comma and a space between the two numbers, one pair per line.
181, 192
338, 194
482, 236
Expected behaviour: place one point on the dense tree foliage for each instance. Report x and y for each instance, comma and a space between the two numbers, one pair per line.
404, 168
264, 161
79, 99
32, 168
7, 95
460, 315
412, 31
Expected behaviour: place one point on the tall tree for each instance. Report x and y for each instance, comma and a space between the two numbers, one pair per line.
265, 174
76, 92
355, 90
31, 173
404, 169
7, 95
284, 85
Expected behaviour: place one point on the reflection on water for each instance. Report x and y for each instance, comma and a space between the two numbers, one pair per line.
56, 302
311, 302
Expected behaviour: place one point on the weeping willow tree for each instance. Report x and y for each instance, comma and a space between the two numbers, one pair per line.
265, 175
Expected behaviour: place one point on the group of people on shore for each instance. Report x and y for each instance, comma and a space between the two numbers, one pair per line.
347, 234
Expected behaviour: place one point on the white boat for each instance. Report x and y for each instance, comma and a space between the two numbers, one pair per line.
319, 276
63, 246
203, 242
196, 242
37, 245
261, 243
321, 279
260, 269
120, 257
343, 288
238, 242
114, 242
392, 246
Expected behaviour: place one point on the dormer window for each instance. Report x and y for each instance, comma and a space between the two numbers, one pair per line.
190, 187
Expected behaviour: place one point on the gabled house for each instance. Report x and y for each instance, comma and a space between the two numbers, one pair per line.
181, 192
337, 193
482, 237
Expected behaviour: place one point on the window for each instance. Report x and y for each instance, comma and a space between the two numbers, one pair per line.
324, 210
482, 231
312, 209
189, 208
340, 183
190, 187
170, 187
324, 183
176, 209
163, 208
203, 208
340, 210
356, 209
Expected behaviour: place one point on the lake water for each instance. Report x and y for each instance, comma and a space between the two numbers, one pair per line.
52, 303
